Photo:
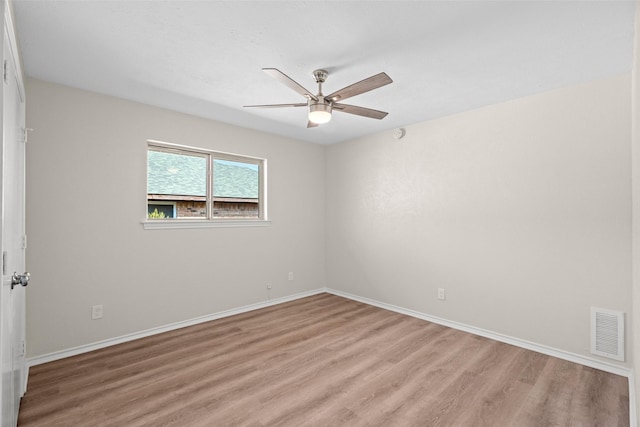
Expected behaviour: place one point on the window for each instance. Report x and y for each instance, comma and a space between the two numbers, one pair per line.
160, 210
190, 184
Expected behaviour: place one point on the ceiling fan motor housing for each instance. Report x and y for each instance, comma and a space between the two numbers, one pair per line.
319, 111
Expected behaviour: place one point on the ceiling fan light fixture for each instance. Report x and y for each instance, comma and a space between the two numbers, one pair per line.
319, 113
320, 106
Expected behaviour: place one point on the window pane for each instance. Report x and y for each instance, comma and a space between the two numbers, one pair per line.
236, 189
160, 211
178, 178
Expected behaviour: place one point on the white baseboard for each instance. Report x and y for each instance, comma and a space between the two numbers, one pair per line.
50, 357
25, 379
561, 354
633, 409
549, 351
572, 357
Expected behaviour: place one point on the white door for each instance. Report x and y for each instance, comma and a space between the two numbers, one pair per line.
12, 295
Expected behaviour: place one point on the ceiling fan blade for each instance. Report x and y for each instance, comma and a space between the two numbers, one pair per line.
362, 86
277, 105
360, 111
310, 124
288, 81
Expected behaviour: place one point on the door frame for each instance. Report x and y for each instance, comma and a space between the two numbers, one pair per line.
11, 34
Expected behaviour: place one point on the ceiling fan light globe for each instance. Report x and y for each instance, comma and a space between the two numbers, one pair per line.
319, 117
319, 113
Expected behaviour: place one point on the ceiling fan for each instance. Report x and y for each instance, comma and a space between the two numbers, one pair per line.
321, 106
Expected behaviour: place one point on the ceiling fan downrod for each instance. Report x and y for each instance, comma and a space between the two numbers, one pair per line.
320, 110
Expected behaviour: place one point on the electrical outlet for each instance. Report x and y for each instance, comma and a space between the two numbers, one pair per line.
441, 294
268, 286
97, 312
291, 275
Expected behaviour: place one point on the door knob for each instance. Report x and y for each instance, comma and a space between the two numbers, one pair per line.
20, 279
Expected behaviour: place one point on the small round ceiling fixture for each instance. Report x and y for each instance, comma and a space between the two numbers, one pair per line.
399, 133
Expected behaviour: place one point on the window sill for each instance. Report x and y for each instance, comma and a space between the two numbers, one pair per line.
173, 224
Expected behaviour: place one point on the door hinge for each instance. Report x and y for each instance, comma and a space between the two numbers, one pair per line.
24, 241
25, 134
4, 71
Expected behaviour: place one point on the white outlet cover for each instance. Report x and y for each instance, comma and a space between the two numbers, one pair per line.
96, 312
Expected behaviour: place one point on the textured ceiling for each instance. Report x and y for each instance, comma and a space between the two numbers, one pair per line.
205, 57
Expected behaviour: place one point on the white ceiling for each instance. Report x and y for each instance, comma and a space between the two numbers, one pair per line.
205, 57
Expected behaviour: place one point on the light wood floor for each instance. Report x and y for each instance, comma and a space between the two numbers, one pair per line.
320, 361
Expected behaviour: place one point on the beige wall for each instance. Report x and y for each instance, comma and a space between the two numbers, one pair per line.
521, 211
86, 190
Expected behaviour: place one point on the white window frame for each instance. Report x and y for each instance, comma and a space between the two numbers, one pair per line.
210, 221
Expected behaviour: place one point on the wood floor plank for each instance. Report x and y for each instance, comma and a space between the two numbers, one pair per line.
498, 399
318, 361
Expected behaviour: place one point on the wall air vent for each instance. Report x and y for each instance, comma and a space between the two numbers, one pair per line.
607, 333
